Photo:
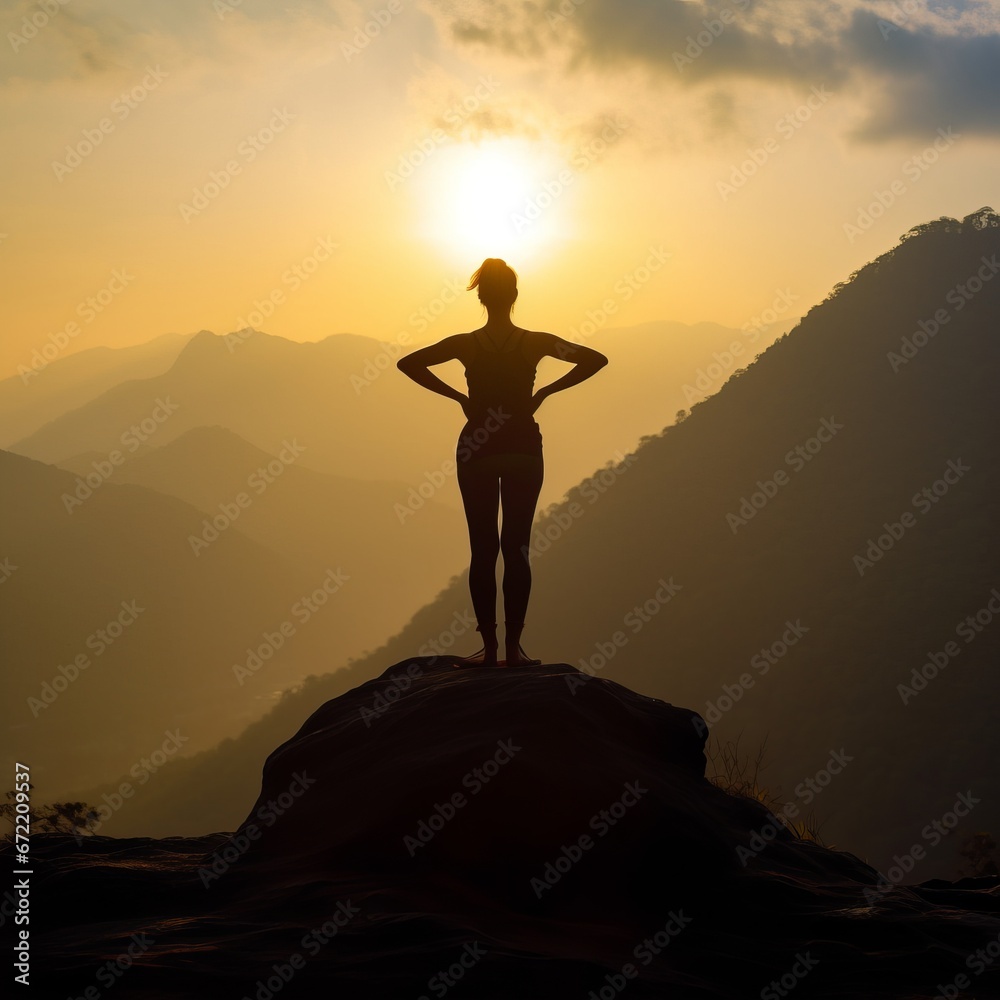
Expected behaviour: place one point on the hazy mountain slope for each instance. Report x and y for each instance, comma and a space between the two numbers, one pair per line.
359, 417
392, 555
115, 632
610, 556
40, 394
655, 370
902, 432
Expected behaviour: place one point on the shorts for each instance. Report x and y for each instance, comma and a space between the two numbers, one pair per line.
479, 440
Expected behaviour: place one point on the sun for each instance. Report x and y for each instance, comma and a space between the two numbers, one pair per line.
497, 198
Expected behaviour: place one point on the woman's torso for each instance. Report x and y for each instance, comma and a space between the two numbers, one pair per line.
500, 376
498, 371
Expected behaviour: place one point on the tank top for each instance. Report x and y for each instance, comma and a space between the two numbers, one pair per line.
501, 384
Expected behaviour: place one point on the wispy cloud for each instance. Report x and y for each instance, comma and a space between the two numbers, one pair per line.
912, 67
83, 42
488, 107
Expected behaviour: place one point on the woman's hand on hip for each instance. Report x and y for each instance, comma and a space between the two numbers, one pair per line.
536, 400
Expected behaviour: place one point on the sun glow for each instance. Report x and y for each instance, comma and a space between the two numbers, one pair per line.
500, 198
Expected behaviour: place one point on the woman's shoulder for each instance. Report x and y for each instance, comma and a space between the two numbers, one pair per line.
466, 346
537, 343
531, 343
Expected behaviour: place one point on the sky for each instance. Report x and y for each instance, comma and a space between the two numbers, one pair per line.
315, 167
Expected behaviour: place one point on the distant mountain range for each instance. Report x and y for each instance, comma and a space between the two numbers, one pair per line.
810, 557
357, 416
248, 571
116, 630
316, 520
38, 395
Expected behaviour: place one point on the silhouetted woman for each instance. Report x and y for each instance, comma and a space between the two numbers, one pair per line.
499, 453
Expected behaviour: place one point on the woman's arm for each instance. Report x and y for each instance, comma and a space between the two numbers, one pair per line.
586, 362
415, 364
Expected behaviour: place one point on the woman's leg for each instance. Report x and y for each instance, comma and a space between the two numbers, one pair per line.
520, 484
480, 487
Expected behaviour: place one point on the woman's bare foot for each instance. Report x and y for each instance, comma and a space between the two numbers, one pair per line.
516, 656
487, 655
520, 659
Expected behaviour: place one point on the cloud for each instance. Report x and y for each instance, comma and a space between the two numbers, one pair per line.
913, 67
905, 67
929, 80
82, 45
486, 107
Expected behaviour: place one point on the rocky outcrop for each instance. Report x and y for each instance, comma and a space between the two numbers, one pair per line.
529, 832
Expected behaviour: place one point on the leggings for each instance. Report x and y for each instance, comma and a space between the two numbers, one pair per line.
516, 480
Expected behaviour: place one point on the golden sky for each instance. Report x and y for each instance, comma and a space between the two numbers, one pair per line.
316, 166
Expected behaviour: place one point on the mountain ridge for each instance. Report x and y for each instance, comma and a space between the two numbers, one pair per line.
341, 396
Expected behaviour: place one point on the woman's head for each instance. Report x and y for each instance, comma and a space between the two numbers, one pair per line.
497, 284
